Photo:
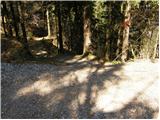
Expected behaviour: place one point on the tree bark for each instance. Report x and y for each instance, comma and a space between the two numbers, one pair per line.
108, 30
59, 28
4, 26
14, 21
48, 24
86, 28
6, 12
125, 37
155, 39
22, 22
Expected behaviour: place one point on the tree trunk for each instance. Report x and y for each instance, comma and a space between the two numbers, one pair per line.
15, 21
113, 30
125, 31
3, 19
52, 25
48, 24
56, 24
77, 28
59, 28
4, 26
86, 28
24, 41
108, 30
154, 40
120, 32
6, 12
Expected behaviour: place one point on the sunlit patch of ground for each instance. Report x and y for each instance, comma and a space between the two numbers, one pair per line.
141, 85
80, 90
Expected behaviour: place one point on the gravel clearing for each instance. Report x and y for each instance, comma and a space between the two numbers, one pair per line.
80, 89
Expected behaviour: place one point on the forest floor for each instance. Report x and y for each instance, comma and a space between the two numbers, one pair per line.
80, 89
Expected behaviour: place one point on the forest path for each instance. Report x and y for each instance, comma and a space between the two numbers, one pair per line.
81, 89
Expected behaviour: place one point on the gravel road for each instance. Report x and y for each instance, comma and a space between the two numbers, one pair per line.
80, 90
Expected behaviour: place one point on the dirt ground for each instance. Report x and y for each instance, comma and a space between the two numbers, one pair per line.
80, 89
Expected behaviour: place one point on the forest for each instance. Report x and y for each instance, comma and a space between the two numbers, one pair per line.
67, 59
117, 30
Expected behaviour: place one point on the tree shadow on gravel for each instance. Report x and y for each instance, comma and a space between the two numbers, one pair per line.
61, 93
132, 110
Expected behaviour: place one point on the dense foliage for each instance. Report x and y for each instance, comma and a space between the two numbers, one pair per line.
110, 30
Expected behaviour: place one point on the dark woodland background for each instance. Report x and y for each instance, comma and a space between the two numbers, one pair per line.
107, 30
